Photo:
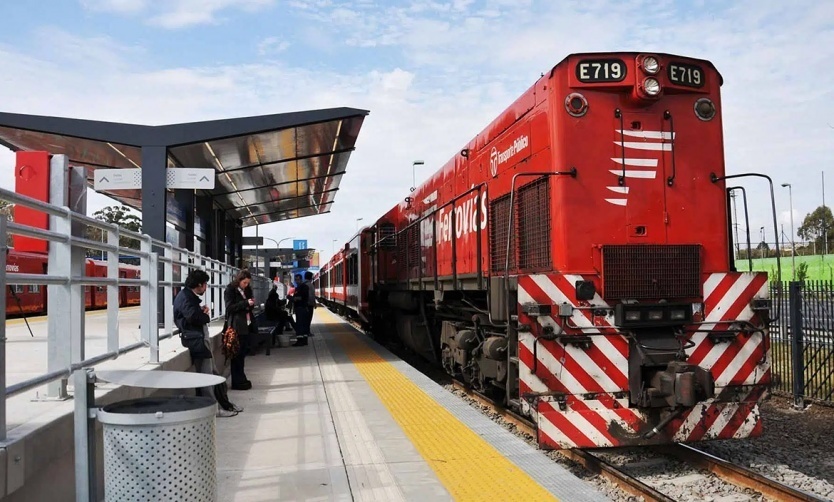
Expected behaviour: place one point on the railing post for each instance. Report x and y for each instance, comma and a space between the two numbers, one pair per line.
58, 299
168, 267
4, 248
154, 306
85, 436
797, 345
113, 292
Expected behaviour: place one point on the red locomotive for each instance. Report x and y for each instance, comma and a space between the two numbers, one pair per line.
31, 299
574, 260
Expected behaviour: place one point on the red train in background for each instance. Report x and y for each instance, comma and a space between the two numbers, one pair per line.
31, 299
574, 260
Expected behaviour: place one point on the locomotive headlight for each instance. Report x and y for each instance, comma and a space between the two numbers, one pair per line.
632, 315
704, 109
655, 315
651, 86
677, 315
650, 65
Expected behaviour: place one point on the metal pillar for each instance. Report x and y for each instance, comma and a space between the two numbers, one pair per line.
203, 207
85, 436
797, 345
231, 246
219, 241
65, 326
185, 199
154, 203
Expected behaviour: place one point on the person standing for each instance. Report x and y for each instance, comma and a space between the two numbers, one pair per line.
192, 321
240, 316
311, 300
302, 311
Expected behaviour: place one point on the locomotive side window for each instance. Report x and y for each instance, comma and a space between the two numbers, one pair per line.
19, 289
600, 70
35, 289
688, 75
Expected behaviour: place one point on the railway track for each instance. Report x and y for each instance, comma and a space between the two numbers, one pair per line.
727, 471
739, 476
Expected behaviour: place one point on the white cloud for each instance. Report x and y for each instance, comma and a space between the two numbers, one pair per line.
272, 45
174, 14
455, 66
117, 6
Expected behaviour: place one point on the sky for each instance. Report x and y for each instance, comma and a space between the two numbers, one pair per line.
432, 73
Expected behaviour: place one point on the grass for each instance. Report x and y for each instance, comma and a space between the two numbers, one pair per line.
820, 267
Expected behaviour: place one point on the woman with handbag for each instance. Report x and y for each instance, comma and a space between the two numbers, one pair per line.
239, 316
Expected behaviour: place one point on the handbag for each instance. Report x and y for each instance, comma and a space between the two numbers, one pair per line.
230, 343
196, 345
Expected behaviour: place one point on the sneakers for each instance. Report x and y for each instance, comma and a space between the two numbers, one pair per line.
221, 413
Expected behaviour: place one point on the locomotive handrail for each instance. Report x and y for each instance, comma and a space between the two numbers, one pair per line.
572, 174
715, 179
746, 223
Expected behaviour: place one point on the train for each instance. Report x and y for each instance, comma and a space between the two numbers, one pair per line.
26, 300
574, 261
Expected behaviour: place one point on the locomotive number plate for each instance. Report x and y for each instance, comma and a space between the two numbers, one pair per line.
600, 70
688, 75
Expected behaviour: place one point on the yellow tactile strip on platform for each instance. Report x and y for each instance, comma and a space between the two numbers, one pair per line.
469, 467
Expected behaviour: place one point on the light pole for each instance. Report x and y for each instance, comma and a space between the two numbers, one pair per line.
357, 223
793, 244
278, 243
413, 175
334, 245
763, 245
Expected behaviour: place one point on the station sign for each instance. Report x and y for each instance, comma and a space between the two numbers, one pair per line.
176, 178
299, 245
117, 179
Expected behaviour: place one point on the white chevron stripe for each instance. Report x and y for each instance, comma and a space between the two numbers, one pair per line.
556, 368
630, 173
711, 283
636, 162
525, 373
639, 145
695, 416
748, 425
724, 417
556, 295
617, 202
618, 189
579, 421
548, 428
646, 134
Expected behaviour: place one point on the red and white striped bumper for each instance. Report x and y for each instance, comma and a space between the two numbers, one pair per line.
579, 396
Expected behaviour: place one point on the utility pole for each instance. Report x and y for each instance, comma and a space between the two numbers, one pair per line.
824, 225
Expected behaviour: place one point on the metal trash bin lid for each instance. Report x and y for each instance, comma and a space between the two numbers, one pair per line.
157, 410
160, 379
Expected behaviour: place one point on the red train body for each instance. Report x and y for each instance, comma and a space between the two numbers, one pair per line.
574, 259
31, 299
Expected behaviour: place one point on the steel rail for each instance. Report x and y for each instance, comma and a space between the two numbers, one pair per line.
738, 475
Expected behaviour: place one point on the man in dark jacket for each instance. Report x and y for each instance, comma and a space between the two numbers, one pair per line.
192, 319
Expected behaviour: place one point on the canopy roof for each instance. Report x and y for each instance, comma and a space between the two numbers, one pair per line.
269, 168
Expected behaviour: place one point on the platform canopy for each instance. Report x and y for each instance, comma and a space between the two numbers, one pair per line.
269, 167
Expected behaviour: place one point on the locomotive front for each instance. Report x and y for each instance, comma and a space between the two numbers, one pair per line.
646, 333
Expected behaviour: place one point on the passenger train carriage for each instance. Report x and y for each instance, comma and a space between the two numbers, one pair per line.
574, 259
31, 299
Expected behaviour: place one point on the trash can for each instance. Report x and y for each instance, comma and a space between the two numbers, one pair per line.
160, 448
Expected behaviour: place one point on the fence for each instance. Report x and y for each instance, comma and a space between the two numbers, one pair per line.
66, 282
802, 342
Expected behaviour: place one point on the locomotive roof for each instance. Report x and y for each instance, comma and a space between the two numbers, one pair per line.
269, 167
634, 54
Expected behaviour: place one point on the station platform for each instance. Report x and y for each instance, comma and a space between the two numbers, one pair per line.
343, 419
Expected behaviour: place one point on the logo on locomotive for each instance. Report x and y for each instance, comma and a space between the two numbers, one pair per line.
497, 158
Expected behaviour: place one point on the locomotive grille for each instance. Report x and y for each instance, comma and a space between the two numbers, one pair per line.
650, 271
530, 245
386, 236
534, 225
499, 214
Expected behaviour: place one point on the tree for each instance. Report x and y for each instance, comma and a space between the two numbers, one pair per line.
118, 215
7, 208
815, 226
